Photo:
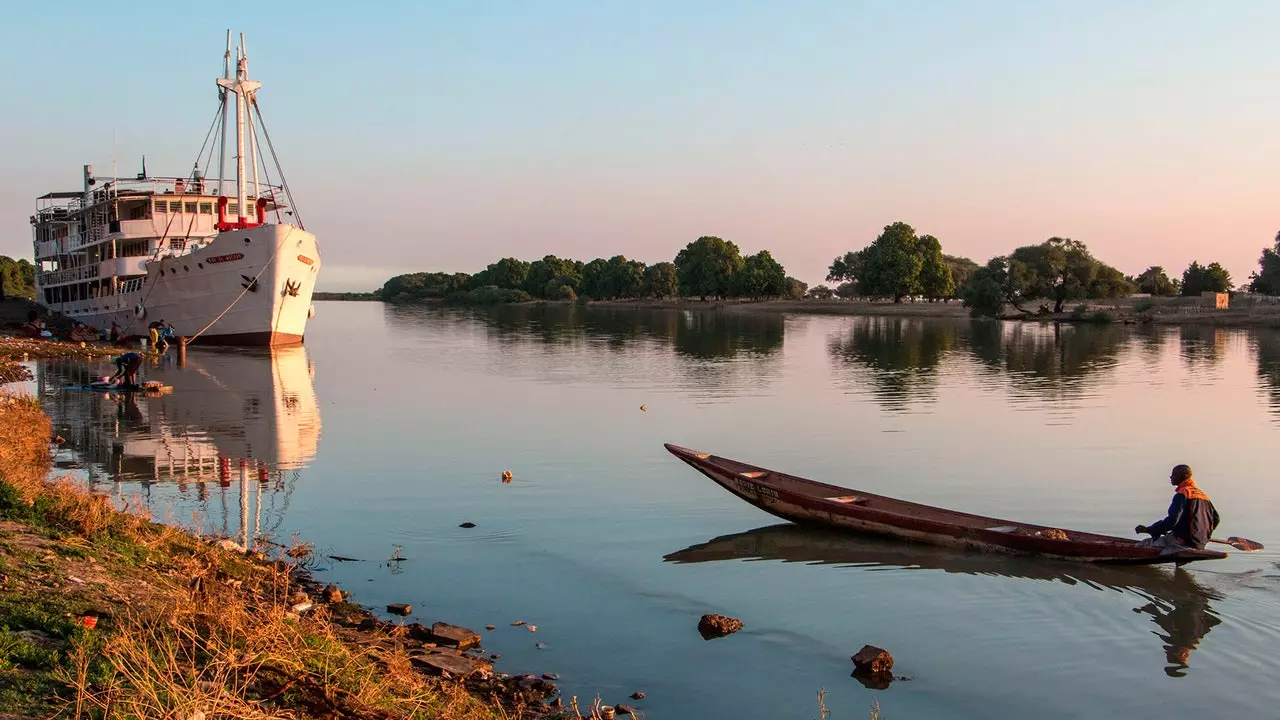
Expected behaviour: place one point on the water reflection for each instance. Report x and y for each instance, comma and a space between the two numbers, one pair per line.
1202, 345
1266, 346
1050, 360
903, 355
1177, 604
232, 416
711, 349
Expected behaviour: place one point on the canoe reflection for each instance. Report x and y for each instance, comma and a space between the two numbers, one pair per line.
1178, 605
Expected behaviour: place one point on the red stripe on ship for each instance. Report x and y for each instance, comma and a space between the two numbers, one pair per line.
305, 259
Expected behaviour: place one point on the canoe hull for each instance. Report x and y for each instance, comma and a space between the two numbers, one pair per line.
807, 502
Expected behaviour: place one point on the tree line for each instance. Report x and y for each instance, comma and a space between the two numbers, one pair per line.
707, 267
17, 278
900, 264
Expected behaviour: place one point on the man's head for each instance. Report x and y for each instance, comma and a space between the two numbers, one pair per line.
1180, 474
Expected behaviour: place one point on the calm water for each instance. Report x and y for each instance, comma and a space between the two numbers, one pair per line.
394, 425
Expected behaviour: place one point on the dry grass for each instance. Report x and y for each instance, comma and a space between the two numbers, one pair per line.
186, 629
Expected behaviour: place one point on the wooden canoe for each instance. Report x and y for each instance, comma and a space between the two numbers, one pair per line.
813, 503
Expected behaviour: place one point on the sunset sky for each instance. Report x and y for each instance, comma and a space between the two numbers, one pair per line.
445, 135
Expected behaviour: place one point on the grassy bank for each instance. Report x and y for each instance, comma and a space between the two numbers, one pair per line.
106, 614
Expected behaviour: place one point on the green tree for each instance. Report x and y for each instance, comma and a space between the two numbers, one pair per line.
847, 291
626, 277
891, 265
550, 267
1154, 281
1267, 280
508, 273
595, 280
846, 268
988, 289
821, 292
1109, 283
1199, 278
962, 268
660, 280
560, 289
936, 282
18, 277
760, 276
795, 289
1060, 269
706, 266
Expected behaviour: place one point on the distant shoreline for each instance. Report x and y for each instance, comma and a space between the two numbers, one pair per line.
1165, 311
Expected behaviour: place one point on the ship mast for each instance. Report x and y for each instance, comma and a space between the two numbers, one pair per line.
243, 88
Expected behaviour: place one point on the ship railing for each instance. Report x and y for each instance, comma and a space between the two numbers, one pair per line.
63, 208
88, 272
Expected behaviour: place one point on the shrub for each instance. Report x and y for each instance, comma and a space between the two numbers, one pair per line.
1080, 312
1101, 317
1144, 305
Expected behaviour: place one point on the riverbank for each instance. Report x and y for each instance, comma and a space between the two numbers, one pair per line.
106, 613
1162, 311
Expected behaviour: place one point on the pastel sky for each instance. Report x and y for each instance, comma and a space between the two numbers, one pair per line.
444, 135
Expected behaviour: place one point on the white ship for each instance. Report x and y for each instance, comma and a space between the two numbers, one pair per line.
221, 270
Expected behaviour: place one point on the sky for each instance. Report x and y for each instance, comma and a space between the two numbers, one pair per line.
445, 135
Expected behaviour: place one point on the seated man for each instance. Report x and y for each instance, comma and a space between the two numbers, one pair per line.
1191, 518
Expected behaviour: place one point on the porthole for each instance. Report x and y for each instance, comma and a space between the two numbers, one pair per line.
247, 240
200, 265
184, 267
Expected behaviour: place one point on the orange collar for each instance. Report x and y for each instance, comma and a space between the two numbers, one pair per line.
1189, 490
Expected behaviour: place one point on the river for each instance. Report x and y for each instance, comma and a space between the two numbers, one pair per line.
394, 425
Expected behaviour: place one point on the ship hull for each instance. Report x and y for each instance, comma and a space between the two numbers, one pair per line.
247, 287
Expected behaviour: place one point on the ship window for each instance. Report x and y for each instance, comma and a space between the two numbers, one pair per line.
233, 208
175, 206
184, 267
190, 207
206, 208
161, 206
247, 241
200, 265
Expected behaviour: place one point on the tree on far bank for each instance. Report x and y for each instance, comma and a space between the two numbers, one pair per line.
796, 289
820, 292
962, 268
1154, 281
706, 266
660, 280
846, 268
1059, 269
595, 280
542, 272
17, 277
936, 282
891, 264
1267, 280
990, 288
760, 276
626, 277
508, 273
1199, 278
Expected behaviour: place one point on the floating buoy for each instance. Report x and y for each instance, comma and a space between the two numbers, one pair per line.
506, 475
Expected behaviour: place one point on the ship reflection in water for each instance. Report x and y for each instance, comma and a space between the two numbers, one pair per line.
222, 450
1177, 604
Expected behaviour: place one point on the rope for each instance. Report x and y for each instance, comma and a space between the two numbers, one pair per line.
246, 287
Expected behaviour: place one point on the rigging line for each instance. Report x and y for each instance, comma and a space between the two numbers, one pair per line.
283, 182
248, 285
208, 135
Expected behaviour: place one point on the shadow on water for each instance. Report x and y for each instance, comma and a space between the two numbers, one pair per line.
1178, 605
232, 416
902, 355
